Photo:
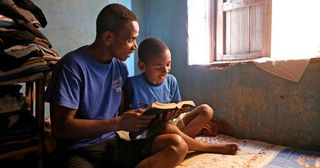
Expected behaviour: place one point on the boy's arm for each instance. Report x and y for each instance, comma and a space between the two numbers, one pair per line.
172, 114
174, 89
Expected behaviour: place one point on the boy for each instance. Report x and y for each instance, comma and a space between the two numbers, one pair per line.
155, 84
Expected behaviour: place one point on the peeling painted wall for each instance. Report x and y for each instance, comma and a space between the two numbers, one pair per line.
262, 106
257, 104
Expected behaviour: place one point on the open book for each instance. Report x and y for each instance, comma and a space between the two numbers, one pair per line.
157, 108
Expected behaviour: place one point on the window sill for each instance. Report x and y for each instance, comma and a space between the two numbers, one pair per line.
316, 59
221, 65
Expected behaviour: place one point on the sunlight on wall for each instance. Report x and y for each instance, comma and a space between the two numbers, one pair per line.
295, 29
198, 32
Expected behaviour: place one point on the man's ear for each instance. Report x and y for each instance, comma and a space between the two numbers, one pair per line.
107, 37
141, 66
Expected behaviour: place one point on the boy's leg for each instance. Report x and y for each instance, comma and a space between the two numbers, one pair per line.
194, 145
196, 119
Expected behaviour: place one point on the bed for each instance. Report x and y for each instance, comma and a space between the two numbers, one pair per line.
251, 154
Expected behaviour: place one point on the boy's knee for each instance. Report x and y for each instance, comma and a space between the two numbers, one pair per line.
206, 110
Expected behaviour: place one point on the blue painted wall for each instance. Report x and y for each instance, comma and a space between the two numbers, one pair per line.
257, 104
72, 24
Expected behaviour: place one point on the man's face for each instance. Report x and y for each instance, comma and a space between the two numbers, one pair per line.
157, 68
124, 42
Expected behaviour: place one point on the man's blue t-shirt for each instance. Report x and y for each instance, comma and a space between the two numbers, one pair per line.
142, 91
93, 88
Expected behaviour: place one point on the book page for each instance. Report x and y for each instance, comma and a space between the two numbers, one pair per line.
187, 102
164, 105
157, 107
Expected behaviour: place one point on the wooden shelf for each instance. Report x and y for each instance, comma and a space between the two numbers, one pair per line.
34, 91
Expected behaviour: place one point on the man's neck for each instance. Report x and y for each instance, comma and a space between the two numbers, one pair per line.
98, 53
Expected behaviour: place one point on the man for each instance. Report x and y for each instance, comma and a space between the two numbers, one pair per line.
85, 94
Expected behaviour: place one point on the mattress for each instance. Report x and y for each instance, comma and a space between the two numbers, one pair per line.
251, 154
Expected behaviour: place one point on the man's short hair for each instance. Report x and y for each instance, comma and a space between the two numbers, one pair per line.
150, 47
113, 17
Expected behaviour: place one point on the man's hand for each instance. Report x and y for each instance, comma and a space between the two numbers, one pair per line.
133, 120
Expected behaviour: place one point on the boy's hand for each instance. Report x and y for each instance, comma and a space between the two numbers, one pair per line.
186, 108
171, 114
133, 120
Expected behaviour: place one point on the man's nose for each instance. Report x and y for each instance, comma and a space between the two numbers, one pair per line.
135, 46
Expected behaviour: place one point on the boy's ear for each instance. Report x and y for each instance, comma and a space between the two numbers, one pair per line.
141, 66
107, 37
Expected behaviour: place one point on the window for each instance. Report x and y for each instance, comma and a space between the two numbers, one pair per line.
295, 30
199, 31
238, 30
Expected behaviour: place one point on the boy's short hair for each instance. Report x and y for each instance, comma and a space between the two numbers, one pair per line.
113, 17
150, 47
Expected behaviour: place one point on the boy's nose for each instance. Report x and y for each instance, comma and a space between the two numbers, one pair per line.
166, 69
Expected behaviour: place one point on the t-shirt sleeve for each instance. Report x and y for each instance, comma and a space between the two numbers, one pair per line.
64, 88
174, 88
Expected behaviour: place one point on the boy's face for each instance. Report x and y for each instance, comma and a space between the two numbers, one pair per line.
157, 68
124, 42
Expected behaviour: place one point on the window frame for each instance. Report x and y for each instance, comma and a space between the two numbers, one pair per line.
217, 24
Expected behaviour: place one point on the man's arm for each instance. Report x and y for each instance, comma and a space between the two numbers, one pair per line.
66, 126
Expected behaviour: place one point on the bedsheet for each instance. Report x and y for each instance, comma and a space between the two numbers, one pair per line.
251, 154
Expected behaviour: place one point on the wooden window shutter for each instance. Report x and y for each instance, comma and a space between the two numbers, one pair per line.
243, 29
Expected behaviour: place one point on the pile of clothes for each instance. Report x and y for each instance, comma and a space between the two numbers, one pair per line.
24, 50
